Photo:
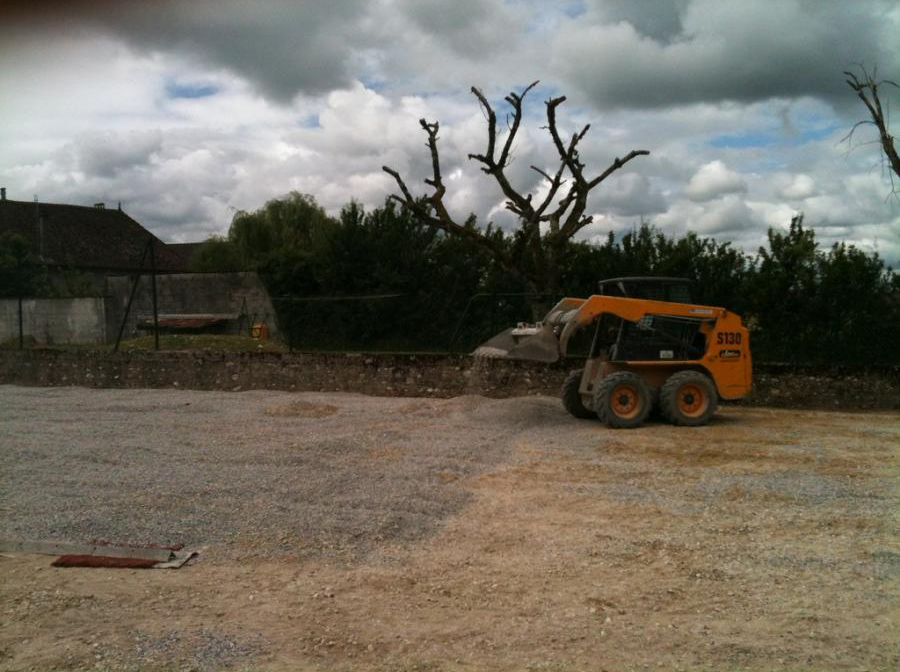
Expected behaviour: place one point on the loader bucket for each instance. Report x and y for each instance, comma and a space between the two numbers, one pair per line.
534, 344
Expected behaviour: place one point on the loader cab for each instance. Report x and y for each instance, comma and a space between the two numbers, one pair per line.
675, 290
657, 337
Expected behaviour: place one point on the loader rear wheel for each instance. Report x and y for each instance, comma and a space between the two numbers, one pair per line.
688, 398
622, 400
571, 397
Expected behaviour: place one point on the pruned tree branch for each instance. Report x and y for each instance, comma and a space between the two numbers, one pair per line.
866, 90
615, 165
564, 220
441, 219
517, 203
577, 196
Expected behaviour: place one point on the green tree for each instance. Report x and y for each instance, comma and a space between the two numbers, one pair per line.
782, 285
855, 312
811, 306
215, 255
717, 270
295, 222
22, 274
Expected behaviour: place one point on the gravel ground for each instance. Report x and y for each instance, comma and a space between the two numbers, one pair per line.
244, 475
347, 532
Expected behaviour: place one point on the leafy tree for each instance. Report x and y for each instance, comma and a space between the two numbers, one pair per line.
782, 284
215, 255
22, 274
294, 222
837, 306
855, 312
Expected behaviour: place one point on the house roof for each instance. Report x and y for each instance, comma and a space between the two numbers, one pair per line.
85, 237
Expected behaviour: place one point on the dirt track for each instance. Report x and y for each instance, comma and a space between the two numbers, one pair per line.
350, 532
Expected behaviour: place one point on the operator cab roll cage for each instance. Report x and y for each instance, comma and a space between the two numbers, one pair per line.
621, 340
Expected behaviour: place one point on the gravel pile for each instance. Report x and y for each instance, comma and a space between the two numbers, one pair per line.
254, 474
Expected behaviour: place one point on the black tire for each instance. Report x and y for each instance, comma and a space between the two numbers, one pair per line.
688, 398
571, 397
622, 400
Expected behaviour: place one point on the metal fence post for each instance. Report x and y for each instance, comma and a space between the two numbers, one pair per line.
493, 312
21, 328
137, 279
155, 310
291, 325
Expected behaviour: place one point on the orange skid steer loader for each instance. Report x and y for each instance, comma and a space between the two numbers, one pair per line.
651, 347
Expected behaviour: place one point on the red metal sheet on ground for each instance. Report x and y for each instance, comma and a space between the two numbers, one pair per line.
188, 322
103, 561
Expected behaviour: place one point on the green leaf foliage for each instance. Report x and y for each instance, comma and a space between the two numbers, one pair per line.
215, 255
21, 273
803, 304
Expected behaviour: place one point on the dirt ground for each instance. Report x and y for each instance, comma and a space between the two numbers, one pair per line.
766, 540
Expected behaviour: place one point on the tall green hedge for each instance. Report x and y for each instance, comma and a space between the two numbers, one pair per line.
803, 304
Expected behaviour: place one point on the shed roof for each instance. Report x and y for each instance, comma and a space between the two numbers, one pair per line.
85, 237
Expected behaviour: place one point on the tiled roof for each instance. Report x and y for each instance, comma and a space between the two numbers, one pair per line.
85, 237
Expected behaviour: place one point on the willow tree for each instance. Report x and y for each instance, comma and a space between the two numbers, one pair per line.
561, 213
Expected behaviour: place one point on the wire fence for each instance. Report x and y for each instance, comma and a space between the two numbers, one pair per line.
359, 323
400, 322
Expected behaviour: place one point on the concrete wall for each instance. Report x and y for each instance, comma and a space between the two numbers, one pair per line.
405, 375
189, 293
54, 321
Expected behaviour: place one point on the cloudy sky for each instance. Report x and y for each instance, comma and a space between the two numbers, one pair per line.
187, 111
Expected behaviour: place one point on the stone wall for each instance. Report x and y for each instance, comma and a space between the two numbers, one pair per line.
54, 321
405, 375
189, 293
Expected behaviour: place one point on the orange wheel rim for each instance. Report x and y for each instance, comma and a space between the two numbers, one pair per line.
692, 400
625, 401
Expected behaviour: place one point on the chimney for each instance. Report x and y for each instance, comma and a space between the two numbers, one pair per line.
2, 193
100, 206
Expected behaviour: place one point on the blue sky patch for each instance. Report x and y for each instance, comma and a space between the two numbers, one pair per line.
176, 90
760, 139
750, 140
816, 134
574, 9
373, 84
310, 121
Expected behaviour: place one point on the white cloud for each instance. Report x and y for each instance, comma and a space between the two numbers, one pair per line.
186, 114
712, 50
798, 187
713, 180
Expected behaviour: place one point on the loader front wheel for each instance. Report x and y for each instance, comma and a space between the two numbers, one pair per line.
571, 397
688, 398
622, 400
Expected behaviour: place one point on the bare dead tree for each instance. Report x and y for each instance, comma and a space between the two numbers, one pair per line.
866, 89
562, 209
